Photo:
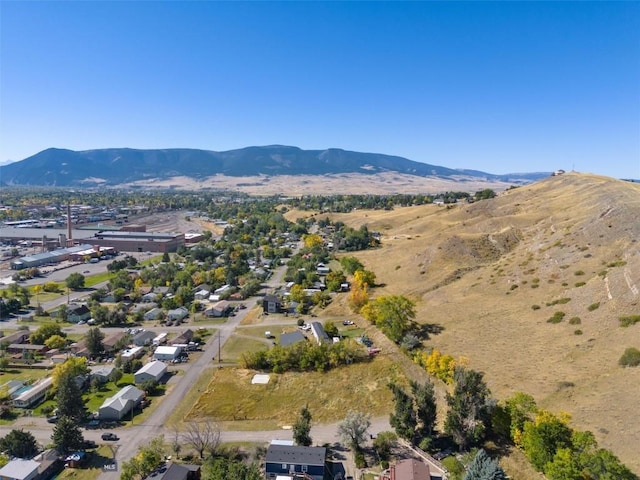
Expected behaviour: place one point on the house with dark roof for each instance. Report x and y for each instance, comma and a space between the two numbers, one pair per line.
271, 304
412, 469
318, 333
176, 471
78, 313
288, 461
290, 338
184, 337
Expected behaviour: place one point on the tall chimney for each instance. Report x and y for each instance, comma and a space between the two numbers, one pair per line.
69, 236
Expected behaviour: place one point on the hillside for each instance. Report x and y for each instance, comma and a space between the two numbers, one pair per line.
202, 168
479, 271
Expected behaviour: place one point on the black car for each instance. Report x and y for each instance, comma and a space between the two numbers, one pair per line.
89, 444
110, 436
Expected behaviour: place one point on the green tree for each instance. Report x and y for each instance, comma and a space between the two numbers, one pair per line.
393, 314
403, 420
383, 443
426, 409
115, 376
55, 341
67, 436
351, 264
353, 429
521, 408
331, 329
69, 397
467, 414
44, 332
484, 467
18, 443
224, 468
75, 281
542, 437
302, 428
93, 341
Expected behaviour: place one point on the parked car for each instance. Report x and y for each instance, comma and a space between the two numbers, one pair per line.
89, 444
52, 419
347, 322
110, 436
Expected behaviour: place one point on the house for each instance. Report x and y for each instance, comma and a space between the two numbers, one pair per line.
411, 469
151, 371
26, 347
150, 297
153, 314
112, 341
21, 336
177, 314
78, 313
143, 337
159, 339
184, 337
131, 353
34, 395
123, 402
287, 339
287, 460
176, 471
101, 372
20, 469
218, 309
318, 333
322, 269
202, 294
166, 353
271, 304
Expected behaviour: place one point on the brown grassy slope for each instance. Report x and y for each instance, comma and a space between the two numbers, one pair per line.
478, 269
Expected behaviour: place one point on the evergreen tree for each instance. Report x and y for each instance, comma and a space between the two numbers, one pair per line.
67, 436
302, 428
403, 420
426, 408
69, 398
93, 341
484, 468
18, 443
467, 408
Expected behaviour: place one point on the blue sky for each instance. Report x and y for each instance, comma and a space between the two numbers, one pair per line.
498, 86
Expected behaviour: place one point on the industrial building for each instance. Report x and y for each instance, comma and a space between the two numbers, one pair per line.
139, 241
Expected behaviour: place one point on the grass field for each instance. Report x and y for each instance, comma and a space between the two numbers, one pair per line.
237, 345
92, 470
230, 396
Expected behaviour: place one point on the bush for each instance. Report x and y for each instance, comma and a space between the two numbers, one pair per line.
535, 307
580, 284
575, 321
300, 322
630, 358
577, 332
556, 317
593, 306
360, 460
559, 301
629, 320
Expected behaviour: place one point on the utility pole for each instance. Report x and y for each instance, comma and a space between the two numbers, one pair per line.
219, 359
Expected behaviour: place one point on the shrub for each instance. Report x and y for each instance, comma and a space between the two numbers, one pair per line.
360, 460
593, 306
580, 284
578, 273
535, 285
630, 358
535, 307
513, 287
556, 317
577, 332
300, 322
559, 301
617, 263
575, 321
629, 320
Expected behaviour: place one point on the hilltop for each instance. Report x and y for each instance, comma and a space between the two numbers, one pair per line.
491, 274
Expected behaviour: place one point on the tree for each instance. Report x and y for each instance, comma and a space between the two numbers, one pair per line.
424, 397
165, 257
353, 429
312, 241
72, 367
467, 414
55, 342
67, 436
203, 437
18, 443
69, 394
44, 332
93, 341
484, 467
403, 420
393, 314
331, 329
75, 281
521, 408
542, 437
146, 460
224, 468
115, 376
351, 264
302, 428
364, 278
383, 443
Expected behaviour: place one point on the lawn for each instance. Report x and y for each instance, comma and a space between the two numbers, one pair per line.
91, 280
230, 396
97, 459
95, 399
234, 347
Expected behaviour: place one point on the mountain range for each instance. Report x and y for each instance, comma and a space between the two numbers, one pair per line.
118, 166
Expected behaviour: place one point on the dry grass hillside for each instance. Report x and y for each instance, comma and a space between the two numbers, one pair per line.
566, 244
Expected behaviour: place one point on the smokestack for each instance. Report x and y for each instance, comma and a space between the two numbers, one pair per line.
69, 236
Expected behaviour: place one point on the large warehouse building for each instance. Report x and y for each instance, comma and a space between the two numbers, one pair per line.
139, 241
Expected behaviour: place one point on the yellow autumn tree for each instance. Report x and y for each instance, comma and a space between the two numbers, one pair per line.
313, 240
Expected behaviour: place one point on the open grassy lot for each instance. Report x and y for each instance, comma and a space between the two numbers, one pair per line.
230, 396
237, 345
92, 470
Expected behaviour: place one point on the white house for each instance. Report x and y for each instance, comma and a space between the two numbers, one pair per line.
34, 395
218, 309
20, 469
123, 402
131, 353
166, 353
151, 371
